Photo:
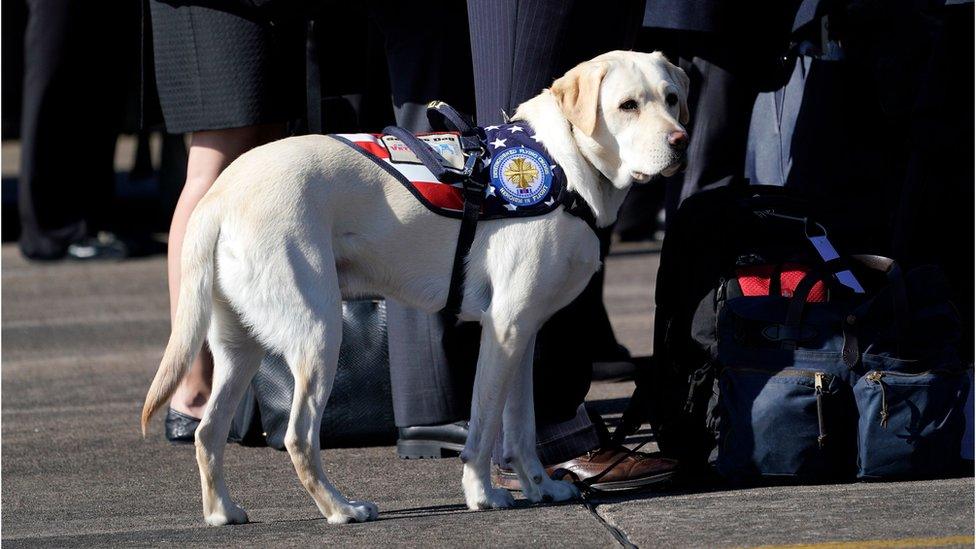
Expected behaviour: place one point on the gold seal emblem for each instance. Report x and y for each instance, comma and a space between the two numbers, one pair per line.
521, 173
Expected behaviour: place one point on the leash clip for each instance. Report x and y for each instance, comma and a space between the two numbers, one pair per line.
471, 162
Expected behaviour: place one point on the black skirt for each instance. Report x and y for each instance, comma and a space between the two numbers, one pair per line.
219, 69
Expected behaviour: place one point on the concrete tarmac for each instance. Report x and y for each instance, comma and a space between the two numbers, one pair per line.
81, 342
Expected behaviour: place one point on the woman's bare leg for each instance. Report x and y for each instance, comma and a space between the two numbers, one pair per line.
210, 152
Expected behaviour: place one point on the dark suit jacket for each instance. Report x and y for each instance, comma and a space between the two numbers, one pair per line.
690, 15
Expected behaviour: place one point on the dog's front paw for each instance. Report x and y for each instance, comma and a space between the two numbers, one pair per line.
354, 511
227, 514
490, 498
551, 491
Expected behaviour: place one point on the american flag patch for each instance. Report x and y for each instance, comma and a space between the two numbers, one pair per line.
395, 154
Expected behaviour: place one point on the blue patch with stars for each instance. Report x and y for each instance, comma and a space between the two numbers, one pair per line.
521, 179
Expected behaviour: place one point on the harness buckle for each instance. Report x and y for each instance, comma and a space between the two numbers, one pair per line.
471, 162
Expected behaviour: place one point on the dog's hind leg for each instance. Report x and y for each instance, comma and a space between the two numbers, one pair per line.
519, 445
236, 359
314, 373
312, 312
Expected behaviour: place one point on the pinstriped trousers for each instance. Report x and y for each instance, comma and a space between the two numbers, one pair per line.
518, 48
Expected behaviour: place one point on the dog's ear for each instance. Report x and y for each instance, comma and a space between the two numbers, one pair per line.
578, 94
680, 81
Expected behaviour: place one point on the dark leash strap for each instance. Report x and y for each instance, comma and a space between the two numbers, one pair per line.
585, 486
635, 414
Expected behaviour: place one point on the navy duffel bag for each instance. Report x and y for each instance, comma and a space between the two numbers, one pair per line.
817, 383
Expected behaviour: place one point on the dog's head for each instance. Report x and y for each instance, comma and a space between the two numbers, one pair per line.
628, 111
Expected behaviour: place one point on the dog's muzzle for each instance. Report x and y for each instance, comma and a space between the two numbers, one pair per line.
675, 167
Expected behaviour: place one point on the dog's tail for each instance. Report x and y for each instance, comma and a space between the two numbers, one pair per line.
194, 308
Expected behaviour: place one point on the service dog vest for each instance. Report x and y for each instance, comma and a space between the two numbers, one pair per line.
471, 174
520, 178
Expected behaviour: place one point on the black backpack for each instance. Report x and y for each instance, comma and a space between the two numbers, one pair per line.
772, 360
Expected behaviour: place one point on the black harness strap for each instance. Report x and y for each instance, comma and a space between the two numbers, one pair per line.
576, 206
444, 117
441, 114
430, 159
473, 191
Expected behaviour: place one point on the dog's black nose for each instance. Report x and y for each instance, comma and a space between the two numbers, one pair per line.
678, 140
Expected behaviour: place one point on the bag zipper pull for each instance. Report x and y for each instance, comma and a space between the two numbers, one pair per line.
818, 389
877, 378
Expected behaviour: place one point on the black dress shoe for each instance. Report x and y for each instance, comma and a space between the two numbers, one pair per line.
180, 428
432, 441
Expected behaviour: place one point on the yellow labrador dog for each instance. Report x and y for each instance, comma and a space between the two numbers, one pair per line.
293, 227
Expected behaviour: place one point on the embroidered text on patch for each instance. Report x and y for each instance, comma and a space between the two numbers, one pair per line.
522, 176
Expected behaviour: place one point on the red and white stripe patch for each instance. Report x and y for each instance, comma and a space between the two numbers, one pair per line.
439, 194
369, 142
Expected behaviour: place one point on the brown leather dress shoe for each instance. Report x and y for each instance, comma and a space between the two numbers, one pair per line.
627, 471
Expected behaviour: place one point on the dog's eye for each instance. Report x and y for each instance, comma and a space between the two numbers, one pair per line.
671, 99
629, 105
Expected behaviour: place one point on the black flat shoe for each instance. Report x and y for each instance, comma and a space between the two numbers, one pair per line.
432, 441
104, 247
180, 427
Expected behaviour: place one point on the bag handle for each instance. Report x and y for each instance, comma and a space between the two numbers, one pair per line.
794, 314
896, 283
